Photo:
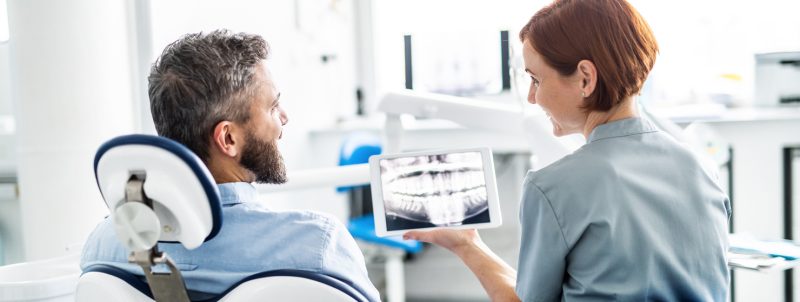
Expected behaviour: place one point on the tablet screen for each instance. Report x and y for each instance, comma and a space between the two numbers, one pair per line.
434, 190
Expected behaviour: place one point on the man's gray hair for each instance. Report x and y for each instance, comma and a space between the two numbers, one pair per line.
203, 79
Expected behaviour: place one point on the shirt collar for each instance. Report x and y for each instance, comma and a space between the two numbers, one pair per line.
237, 192
623, 127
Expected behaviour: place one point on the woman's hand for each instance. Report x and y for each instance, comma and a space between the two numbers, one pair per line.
497, 277
454, 240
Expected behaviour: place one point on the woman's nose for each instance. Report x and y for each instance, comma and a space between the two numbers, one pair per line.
532, 95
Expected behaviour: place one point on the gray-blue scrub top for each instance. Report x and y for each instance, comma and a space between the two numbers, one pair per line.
631, 216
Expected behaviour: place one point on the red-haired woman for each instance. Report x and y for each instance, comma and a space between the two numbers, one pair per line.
631, 215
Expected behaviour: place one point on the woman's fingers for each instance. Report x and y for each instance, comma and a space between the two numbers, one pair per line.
445, 238
418, 235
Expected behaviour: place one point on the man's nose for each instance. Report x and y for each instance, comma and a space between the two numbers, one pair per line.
284, 117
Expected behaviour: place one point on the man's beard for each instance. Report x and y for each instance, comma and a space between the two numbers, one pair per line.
263, 159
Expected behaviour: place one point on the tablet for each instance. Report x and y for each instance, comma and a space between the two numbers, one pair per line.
431, 189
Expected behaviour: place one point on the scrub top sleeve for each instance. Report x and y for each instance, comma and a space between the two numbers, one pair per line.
543, 250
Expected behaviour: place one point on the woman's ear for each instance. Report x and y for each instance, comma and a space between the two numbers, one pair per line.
226, 140
588, 76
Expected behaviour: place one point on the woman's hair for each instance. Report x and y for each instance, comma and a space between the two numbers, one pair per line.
610, 33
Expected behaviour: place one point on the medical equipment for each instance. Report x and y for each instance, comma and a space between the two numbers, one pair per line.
777, 75
428, 189
157, 190
523, 123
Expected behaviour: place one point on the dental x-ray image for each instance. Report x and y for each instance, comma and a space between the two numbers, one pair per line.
434, 190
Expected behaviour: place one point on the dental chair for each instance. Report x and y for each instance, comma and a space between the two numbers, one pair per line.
157, 190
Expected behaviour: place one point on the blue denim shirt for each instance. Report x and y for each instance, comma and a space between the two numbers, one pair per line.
630, 216
252, 239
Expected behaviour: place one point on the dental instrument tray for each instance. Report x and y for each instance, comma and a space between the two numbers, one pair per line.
432, 189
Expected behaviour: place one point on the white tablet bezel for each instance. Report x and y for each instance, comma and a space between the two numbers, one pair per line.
495, 217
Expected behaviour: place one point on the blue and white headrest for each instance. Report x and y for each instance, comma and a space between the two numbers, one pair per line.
186, 202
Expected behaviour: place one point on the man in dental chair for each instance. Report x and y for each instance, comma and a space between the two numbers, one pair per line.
214, 94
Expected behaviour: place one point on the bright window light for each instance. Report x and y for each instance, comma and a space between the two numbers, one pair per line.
3, 21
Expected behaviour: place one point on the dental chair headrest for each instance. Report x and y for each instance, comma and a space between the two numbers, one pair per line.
186, 202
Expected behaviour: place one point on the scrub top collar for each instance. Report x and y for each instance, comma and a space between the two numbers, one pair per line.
620, 128
237, 192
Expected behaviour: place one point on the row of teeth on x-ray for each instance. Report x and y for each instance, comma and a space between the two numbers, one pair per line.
393, 173
436, 182
438, 197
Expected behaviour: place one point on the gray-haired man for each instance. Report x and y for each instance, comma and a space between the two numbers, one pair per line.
214, 94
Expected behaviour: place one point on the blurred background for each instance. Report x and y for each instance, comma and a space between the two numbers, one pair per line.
73, 74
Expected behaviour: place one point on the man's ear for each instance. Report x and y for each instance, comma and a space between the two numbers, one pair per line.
588, 76
226, 139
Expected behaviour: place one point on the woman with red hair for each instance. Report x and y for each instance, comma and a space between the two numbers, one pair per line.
631, 215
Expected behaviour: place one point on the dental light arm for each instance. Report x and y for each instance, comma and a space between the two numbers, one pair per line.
350, 175
469, 113
532, 127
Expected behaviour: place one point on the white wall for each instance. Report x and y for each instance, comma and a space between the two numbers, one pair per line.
71, 88
5, 80
702, 40
10, 229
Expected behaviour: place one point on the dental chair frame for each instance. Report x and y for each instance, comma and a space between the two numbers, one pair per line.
138, 176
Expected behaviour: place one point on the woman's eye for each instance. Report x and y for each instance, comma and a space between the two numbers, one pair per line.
535, 82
